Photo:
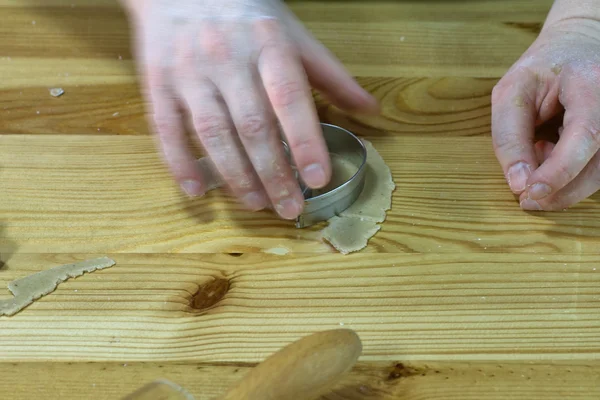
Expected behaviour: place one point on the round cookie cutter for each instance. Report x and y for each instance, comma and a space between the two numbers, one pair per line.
323, 204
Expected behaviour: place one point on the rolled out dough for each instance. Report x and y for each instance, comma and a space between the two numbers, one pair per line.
31, 288
351, 230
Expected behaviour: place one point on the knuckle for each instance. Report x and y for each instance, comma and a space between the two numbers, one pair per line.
286, 92
239, 176
564, 173
507, 143
304, 145
556, 203
214, 44
242, 182
268, 27
518, 82
210, 127
252, 126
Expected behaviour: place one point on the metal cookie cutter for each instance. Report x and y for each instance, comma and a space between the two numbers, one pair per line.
349, 157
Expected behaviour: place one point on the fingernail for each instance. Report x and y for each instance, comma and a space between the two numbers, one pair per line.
530, 205
288, 209
314, 176
538, 191
192, 188
254, 201
517, 177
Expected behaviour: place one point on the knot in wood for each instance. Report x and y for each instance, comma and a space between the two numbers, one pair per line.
210, 293
402, 371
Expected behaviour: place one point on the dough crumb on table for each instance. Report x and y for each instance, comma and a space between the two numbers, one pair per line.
56, 92
31, 288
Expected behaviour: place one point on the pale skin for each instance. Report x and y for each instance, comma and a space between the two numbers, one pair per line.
236, 71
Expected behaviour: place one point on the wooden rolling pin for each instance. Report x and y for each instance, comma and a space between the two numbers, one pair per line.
303, 370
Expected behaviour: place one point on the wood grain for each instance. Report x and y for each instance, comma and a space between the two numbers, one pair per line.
452, 307
380, 381
64, 37
450, 106
460, 296
113, 194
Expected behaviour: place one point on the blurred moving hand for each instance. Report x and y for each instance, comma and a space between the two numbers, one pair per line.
234, 70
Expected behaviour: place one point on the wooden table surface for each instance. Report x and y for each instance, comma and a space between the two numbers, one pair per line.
461, 295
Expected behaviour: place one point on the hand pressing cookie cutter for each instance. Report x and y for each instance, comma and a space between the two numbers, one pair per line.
323, 204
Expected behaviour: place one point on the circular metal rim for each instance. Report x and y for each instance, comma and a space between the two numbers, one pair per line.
341, 187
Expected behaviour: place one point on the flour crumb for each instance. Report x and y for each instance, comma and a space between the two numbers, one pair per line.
279, 251
56, 92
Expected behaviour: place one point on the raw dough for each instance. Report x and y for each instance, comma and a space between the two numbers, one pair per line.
352, 229
29, 289
56, 92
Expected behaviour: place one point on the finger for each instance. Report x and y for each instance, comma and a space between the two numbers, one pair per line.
578, 143
513, 127
258, 132
288, 90
583, 186
210, 120
216, 134
171, 136
329, 76
543, 149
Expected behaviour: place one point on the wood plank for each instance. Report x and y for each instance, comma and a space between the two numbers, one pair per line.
376, 46
381, 381
411, 106
533, 11
442, 307
447, 106
353, 11
77, 193
101, 109
461, 295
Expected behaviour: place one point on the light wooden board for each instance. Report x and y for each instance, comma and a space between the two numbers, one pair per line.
112, 194
461, 295
83, 45
445, 106
404, 307
382, 381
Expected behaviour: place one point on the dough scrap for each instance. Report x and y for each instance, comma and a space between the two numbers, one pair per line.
31, 288
348, 234
351, 230
57, 92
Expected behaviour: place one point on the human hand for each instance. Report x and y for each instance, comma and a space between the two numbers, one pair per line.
560, 71
233, 70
